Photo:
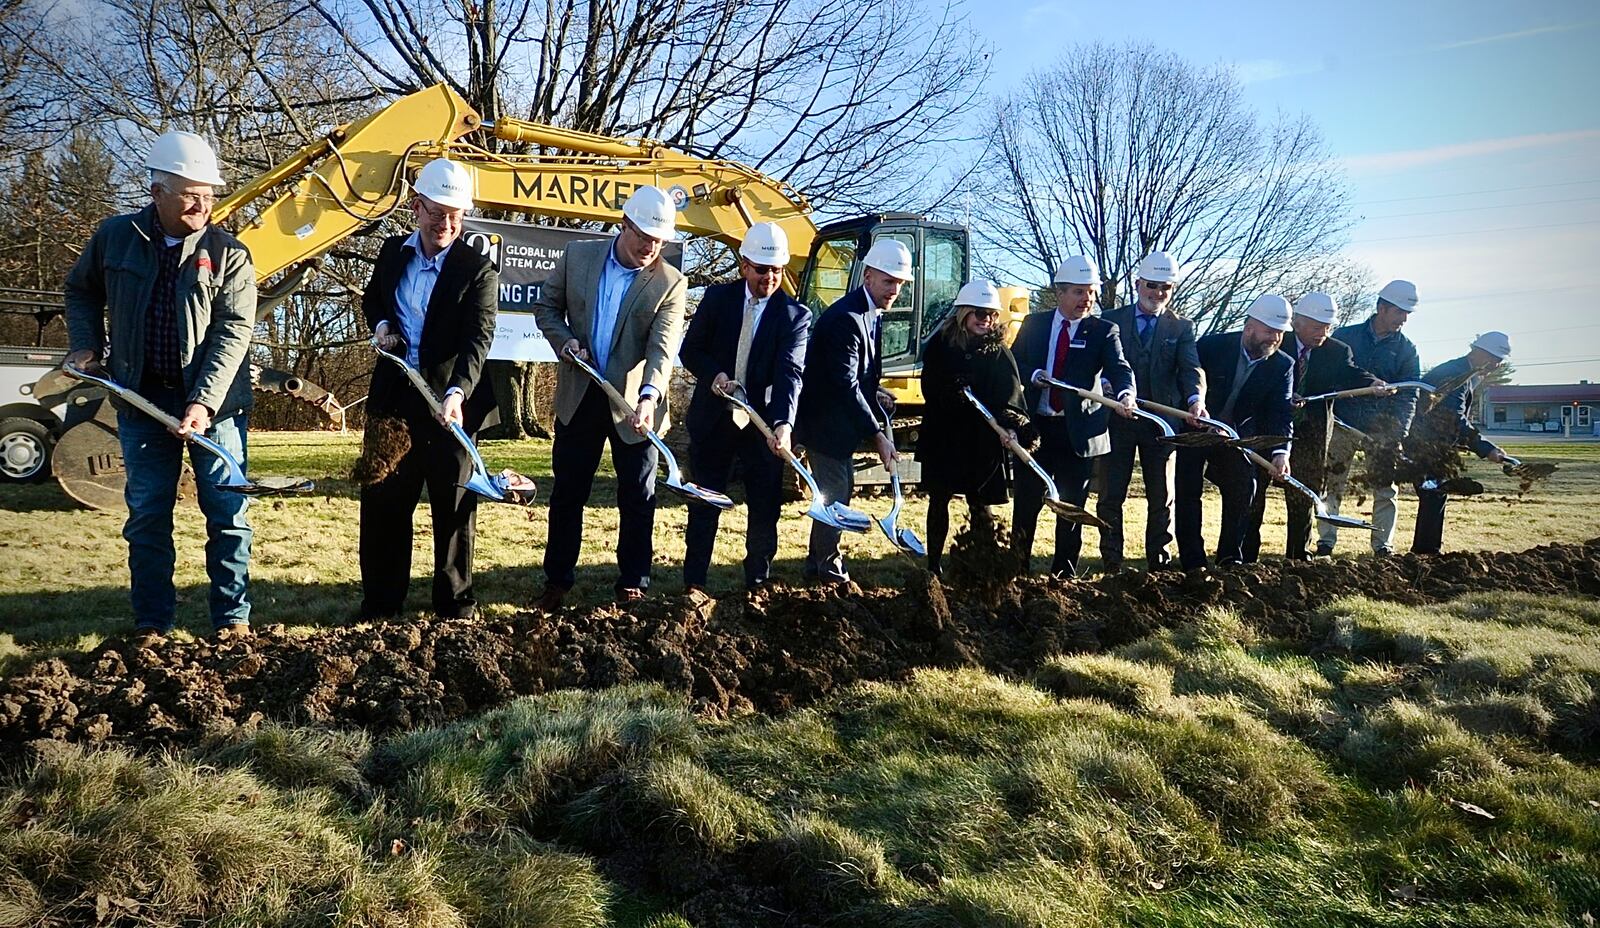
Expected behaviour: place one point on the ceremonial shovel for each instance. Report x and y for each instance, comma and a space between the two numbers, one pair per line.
1228, 436
1371, 391
234, 480
1316, 501
674, 481
508, 486
1053, 498
833, 514
1040, 378
903, 538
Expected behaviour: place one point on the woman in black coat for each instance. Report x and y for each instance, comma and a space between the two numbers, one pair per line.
960, 454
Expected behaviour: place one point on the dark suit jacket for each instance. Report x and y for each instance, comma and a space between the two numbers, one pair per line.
777, 355
1169, 373
1330, 366
1098, 355
1263, 406
839, 396
456, 332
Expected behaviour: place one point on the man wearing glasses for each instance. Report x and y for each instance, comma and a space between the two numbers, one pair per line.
1160, 347
434, 304
617, 304
752, 333
177, 296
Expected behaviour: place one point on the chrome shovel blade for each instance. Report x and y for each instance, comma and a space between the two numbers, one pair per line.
899, 536
841, 517
1197, 439
1342, 521
693, 491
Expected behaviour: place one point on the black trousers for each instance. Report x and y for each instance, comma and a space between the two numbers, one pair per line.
711, 458
1156, 464
439, 463
1071, 474
574, 458
1235, 476
1308, 469
1428, 537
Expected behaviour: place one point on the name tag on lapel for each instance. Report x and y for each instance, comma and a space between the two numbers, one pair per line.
768, 398
1079, 343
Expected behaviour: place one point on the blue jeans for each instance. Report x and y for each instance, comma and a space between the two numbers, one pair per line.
154, 459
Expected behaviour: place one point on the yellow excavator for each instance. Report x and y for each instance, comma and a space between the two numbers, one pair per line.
357, 174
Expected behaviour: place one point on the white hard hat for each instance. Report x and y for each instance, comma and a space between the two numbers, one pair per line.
1158, 267
1496, 343
1318, 306
653, 211
979, 293
1402, 293
1271, 310
1077, 269
891, 257
446, 182
186, 155
766, 244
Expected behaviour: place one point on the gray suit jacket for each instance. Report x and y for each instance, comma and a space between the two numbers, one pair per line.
643, 344
1169, 373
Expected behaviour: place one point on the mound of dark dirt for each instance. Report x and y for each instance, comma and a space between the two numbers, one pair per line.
782, 649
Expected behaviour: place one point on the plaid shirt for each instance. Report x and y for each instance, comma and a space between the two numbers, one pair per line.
161, 319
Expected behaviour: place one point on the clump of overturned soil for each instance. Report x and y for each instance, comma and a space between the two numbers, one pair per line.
783, 648
384, 442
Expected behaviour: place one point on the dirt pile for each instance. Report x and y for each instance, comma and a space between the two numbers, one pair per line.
782, 649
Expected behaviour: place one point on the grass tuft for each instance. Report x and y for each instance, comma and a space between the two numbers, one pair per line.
1404, 741
1120, 682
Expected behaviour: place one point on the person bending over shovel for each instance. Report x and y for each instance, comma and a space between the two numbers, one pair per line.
433, 302
1437, 434
178, 296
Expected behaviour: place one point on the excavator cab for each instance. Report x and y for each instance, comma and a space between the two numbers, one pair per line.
940, 255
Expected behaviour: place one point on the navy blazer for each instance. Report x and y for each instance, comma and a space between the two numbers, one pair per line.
457, 331
1096, 352
1330, 366
777, 355
844, 363
1265, 405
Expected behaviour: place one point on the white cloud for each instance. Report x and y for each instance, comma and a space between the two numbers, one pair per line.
1382, 162
1511, 36
1257, 70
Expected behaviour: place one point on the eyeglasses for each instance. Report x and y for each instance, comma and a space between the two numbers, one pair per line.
439, 214
191, 200
986, 314
1157, 286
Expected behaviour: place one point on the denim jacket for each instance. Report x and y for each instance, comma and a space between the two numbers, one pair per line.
1392, 358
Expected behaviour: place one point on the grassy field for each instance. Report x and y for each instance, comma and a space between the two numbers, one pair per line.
1397, 767
63, 569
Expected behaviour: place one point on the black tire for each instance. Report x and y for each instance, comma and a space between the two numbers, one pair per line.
25, 447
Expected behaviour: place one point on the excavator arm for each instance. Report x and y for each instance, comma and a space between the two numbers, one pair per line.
357, 174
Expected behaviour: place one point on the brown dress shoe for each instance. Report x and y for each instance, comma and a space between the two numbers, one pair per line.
550, 599
629, 594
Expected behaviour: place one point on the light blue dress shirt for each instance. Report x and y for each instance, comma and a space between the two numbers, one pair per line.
414, 291
412, 294
614, 283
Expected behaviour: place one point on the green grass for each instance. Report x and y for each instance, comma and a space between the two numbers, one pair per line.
1397, 767
63, 569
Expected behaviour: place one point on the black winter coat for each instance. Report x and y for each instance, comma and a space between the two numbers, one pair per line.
959, 452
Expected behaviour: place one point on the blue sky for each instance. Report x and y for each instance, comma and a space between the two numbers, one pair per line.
1469, 131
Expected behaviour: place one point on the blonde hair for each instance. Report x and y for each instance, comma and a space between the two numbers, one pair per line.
954, 327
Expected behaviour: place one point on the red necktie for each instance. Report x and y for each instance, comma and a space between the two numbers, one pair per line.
1058, 396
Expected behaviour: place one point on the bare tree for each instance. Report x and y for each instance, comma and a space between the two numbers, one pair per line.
843, 99
1116, 152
